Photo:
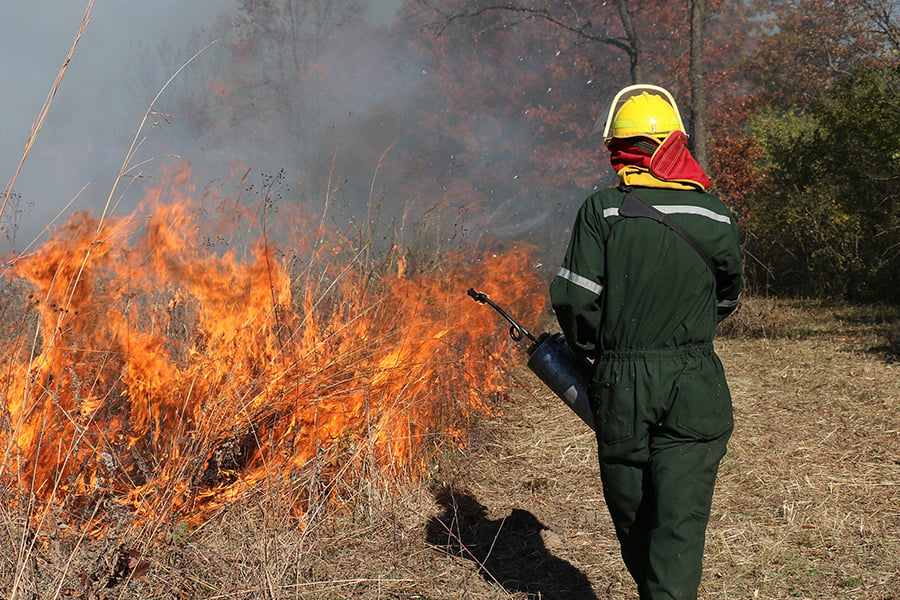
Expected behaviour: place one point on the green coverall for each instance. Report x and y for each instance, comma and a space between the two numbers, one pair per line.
640, 301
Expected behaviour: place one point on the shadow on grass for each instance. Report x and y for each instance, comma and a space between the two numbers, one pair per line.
508, 552
873, 329
885, 325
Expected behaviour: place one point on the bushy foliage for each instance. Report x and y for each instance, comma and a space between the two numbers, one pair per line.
827, 220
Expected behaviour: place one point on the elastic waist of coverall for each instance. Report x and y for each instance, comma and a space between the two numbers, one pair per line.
651, 354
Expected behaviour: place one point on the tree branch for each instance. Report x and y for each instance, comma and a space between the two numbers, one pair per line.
580, 27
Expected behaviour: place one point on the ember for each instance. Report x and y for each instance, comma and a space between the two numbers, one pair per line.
171, 371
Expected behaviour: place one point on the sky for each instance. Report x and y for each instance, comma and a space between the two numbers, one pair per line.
98, 108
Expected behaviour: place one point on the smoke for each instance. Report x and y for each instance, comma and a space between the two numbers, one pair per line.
96, 111
361, 96
128, 51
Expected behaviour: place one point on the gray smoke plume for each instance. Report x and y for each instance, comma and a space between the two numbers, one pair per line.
128, 51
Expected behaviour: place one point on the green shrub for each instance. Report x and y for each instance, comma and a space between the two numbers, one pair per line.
826, 221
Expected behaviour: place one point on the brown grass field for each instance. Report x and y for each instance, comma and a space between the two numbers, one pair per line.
807, 506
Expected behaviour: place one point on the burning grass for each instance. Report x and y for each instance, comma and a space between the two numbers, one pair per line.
162, 370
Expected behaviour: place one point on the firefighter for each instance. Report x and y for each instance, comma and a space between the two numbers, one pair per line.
641, 296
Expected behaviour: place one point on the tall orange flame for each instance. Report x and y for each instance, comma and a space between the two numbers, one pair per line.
168, 374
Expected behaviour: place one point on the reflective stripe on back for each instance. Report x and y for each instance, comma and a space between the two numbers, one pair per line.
680, 209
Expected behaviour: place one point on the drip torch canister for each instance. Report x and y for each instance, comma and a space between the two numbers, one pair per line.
552, 360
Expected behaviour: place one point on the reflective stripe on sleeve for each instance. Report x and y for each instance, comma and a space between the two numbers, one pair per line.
583, 282
727, 304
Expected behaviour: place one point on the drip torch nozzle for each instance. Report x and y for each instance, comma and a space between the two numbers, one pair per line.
516, 331
551, 359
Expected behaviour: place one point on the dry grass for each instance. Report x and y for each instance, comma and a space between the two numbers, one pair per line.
808, 504
809, 497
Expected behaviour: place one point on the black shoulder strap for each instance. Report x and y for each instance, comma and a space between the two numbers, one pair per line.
633, 206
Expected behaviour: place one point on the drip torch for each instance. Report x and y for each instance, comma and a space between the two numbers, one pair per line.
551, 359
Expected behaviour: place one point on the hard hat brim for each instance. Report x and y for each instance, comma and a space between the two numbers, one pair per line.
634, 90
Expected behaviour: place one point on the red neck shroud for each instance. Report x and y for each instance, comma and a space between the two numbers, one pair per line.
671, 161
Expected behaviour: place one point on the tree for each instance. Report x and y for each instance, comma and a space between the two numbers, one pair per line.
829, 218
583, 19
810, 44
272, 95
615, 26
882, 14
507, 122
698, 83
808, 149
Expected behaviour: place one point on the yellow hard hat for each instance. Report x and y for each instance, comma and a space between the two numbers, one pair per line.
642, 111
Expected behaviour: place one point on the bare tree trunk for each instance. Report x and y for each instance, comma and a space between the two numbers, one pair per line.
634, 42
698, 85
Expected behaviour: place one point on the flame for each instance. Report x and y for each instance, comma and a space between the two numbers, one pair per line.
170, 370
